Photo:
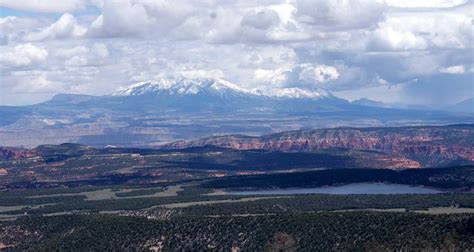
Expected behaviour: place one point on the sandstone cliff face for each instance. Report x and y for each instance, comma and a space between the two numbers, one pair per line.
429, 146
15, 153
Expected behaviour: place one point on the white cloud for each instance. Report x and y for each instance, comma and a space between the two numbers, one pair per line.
390, 39
342, 45
262, 20
193, 73
71, 51
305, 75
213, 21
38, 84
81, 55
425, 3
101, 50
44, 5
13, 29
31, 82
343, 14
138, 18
453, 69
271, 77
23, 55
380, 82
76, 61
423, 30
65, 27
317, 73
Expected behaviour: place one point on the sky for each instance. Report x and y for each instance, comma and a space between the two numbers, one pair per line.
394, 51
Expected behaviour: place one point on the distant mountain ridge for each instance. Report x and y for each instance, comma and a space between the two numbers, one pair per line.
182, 86
210, 95
370, 103
464, 106
150, 113
428, 145
186, 86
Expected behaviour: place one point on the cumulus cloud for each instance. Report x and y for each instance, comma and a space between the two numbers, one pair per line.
82, 55
272, 77
71, 51
101, 50
422, 29
29, 86
193, 73
213, 21
262, 20
452, 70
342, 45
76, 61
317, 73
248, 27
138, 18
43, 5
304, 75
390, 39
65, 27
13, 29
33, 82
425, 4
23, 55
342, 14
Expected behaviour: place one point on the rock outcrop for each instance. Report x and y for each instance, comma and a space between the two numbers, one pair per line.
15, 153
429, 145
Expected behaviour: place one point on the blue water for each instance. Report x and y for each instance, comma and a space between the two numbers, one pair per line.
360, 188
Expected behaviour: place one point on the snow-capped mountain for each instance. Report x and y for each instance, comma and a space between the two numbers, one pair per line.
154, 111
199, 86
208, 95
299, 93
217, 95
183, 86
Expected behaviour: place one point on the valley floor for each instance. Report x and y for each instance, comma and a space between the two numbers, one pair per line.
185, 216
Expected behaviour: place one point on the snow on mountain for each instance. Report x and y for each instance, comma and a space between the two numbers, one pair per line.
299, 93
184, 86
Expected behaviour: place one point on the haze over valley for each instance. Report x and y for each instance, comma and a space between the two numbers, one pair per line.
148, 114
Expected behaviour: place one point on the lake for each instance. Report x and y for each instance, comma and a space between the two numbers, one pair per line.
359, 188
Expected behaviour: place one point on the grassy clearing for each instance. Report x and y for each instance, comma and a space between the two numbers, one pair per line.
210, 202
109, 194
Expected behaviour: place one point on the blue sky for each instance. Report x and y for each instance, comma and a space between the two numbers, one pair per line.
5, 12
417, 52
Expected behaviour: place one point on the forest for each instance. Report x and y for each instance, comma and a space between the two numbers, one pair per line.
461, 178
353, 231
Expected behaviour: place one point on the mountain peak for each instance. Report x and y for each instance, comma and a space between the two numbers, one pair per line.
299, 93
370, 103
186, 86
466, 106
182, 86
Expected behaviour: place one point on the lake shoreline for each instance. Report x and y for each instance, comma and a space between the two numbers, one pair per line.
346, 189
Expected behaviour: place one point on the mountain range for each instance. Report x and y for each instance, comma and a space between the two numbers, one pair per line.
465, 106
151, 113
204, 95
